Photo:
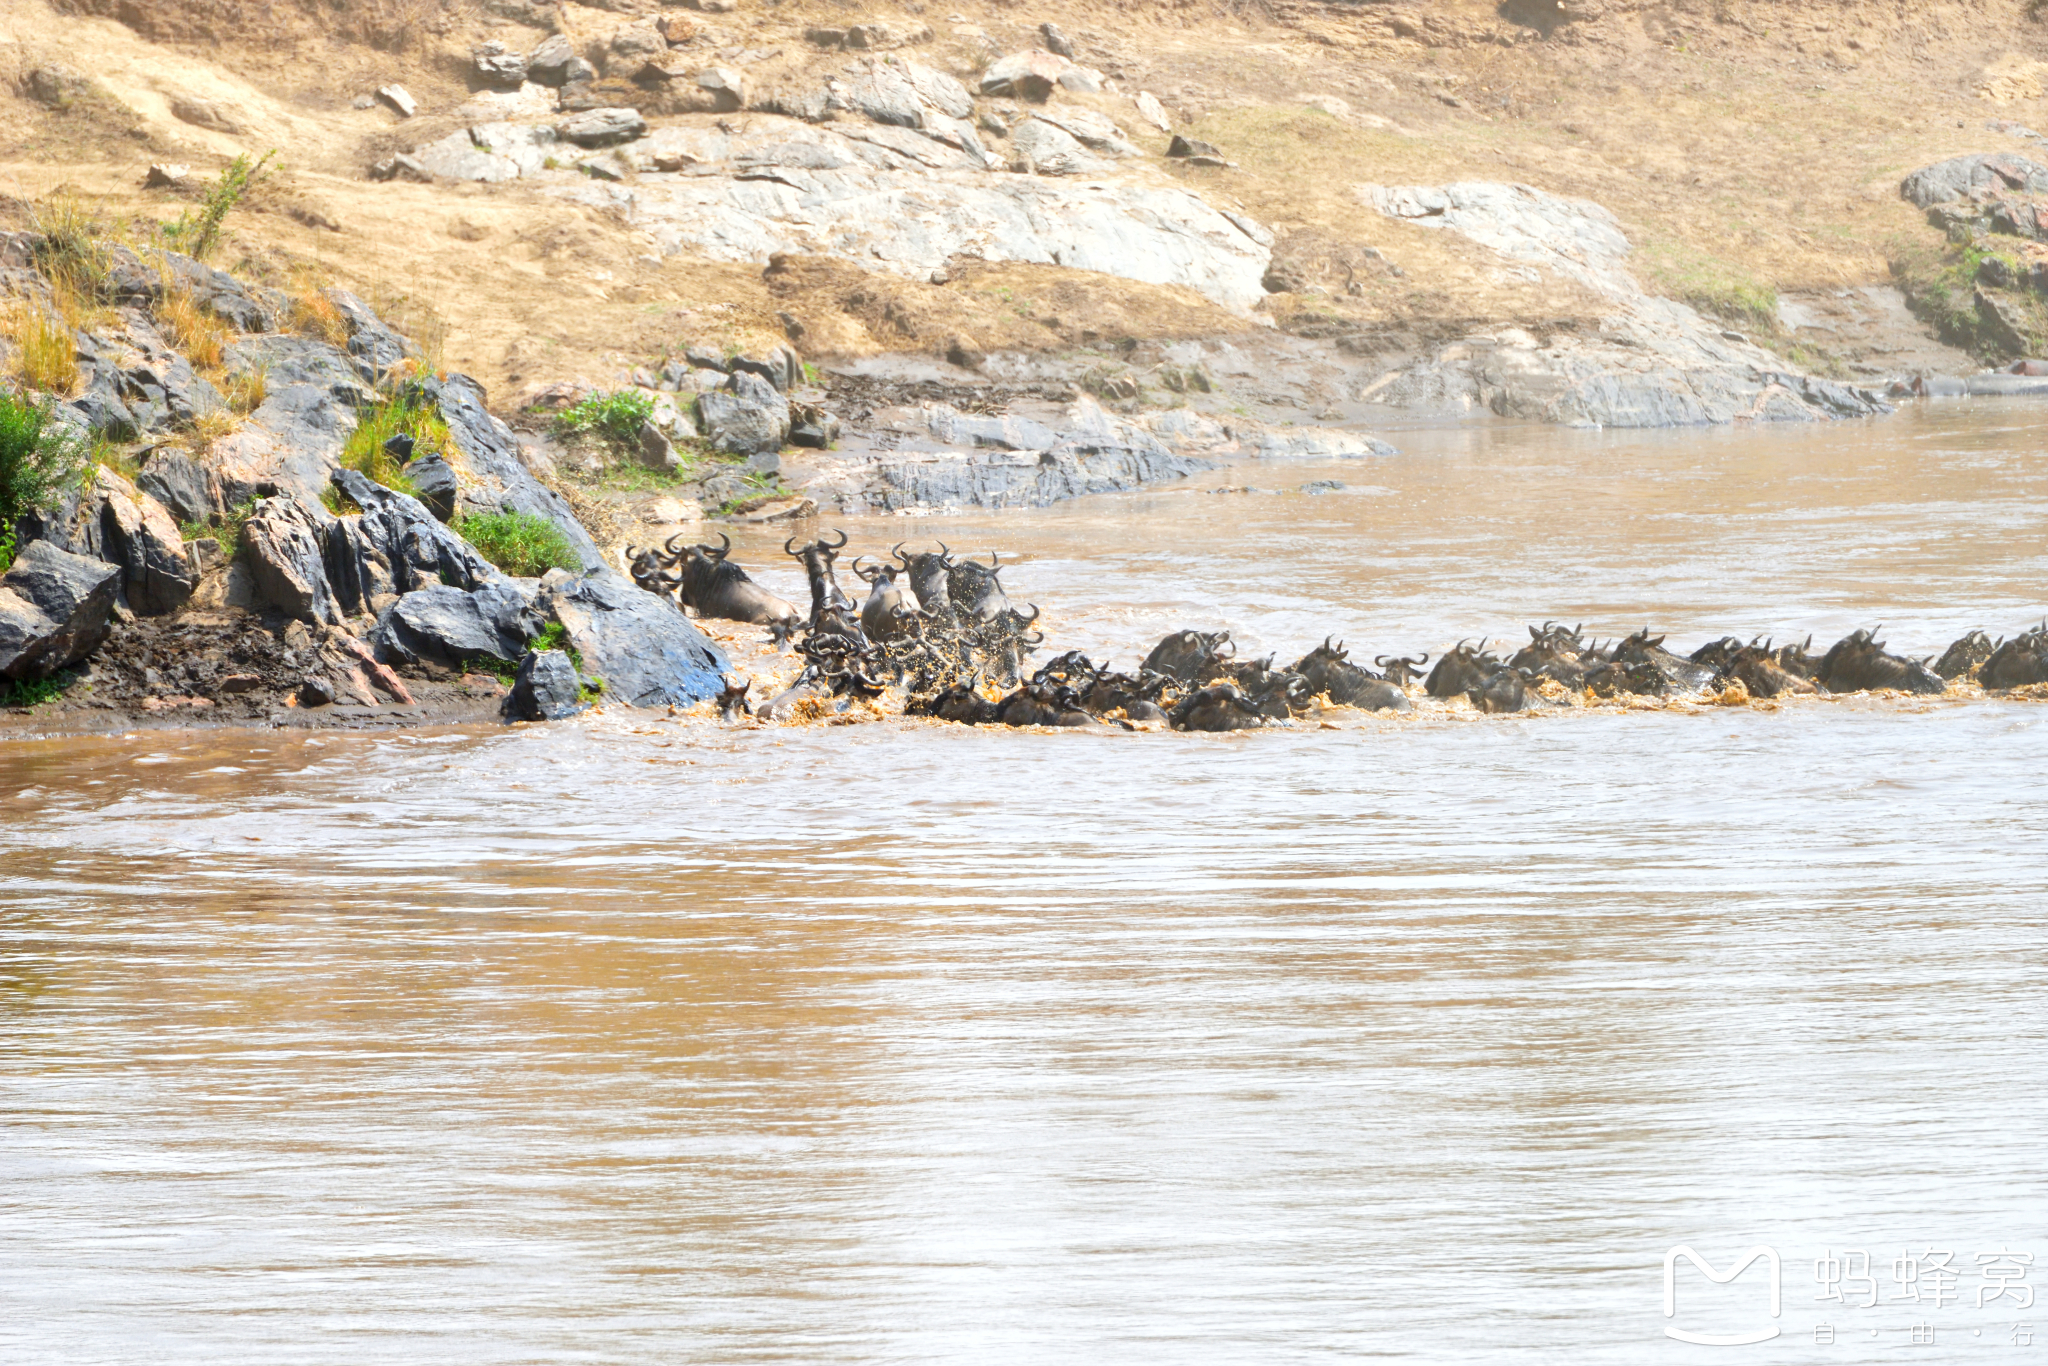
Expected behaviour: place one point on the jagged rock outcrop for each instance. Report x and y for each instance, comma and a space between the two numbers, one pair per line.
1655, 363
456, 629
646, 651
489, 453
55, 609
112, 520
1961, 177
546, 688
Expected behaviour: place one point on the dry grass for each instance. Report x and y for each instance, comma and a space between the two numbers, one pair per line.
314, 314
45, 351
246, 391
409, 313
191, 328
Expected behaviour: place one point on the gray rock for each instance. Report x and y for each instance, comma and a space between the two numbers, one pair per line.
397, 541
631, 44
882, 93
400, 99
644, 649
1958, 177
1191, 147
1044, 149
434, 481
748, 415
655, 451
782, 368
57, 85
549, 63
316, 691
938, 90
55, 609
490, 453
283, 543
496, 67
209, 114
188, 490
1017, 479
376, 347
456, 629
300, 362
601, 127
1029, 75
726, 86
1056, 42
234, 303
546, 688
457, 157
111, 520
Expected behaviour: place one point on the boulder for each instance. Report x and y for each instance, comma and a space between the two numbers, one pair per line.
748, 415
396, 546
283, 542
188, 490
601, 127
55, 609
374, 345
1191, 147
1957, 177
631, 45
1043, 149
496, 67
546, 688
164, 175
57, 85
1152, 111
454, 629
400, 99
1031, 75
647, 652
110, 520
549, 63
433, 482
655, 451
211, 115
782, 368
1056, 42
725, 85
240, 306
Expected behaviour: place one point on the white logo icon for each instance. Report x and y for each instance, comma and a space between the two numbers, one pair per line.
1735, 1268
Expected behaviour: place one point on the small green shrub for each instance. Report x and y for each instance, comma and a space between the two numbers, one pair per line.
225, 528
614, 418
197, 231
40, 459
411, 413
33, 692
522, 544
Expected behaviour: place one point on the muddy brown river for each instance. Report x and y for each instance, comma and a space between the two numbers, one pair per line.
1426, 1039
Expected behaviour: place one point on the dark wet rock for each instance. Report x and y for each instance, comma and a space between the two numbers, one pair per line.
546, 688
490, 452
1958, 177
456, 629
601, 127
283, 544
55, 609
188, 490
316, 691
434, 482
643, 648
395, 547
1191, 147
748, 415
112, 520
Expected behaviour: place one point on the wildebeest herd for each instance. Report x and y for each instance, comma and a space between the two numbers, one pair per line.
942, 630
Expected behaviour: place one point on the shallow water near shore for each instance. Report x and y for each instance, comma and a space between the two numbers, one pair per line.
1425, 1040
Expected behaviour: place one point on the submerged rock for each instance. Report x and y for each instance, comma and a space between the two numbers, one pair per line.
546, 688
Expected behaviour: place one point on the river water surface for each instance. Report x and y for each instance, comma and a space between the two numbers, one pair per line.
634, 1040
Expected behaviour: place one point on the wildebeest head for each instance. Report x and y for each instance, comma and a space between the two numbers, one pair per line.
930, 577
2017, 662
1859, 662
1965, 655
1400, 672
732, 703
713, 586
975, 590
1460, 670
1218, 707
1757, 668
817, 557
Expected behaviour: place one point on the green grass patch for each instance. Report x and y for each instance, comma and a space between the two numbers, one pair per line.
613, 418
225, 528
412, 414
40, 460
1941, 288
1709, 284
522, 544
34, 692
556, 637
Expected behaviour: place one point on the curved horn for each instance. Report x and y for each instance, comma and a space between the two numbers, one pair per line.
723, 550
830, 546
945, 555
670, 544
898, 553
789, 546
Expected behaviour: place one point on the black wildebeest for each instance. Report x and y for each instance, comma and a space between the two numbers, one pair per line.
1328, 670
1460, 670
1643, 648
1189, 656
1400, 672
1965, 655
713, 586
2018, 662
817, 560
1859, 663
1757, 668
1218, 707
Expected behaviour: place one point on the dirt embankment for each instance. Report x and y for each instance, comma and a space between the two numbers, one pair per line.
1752, 151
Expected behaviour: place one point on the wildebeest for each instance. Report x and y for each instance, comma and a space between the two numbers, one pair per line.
1506, 690
732, 703
1757, 668
975, 590
887, 613
1460, 670
1859, 663
713, 586
817, 558
930, 574
1400, 672
1643, 648
1553, 652
2018, 662
1189, 656
1642, 679
1798, 660
961, 702
1043, 704
1219, 707
1965, 655
1329, 671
